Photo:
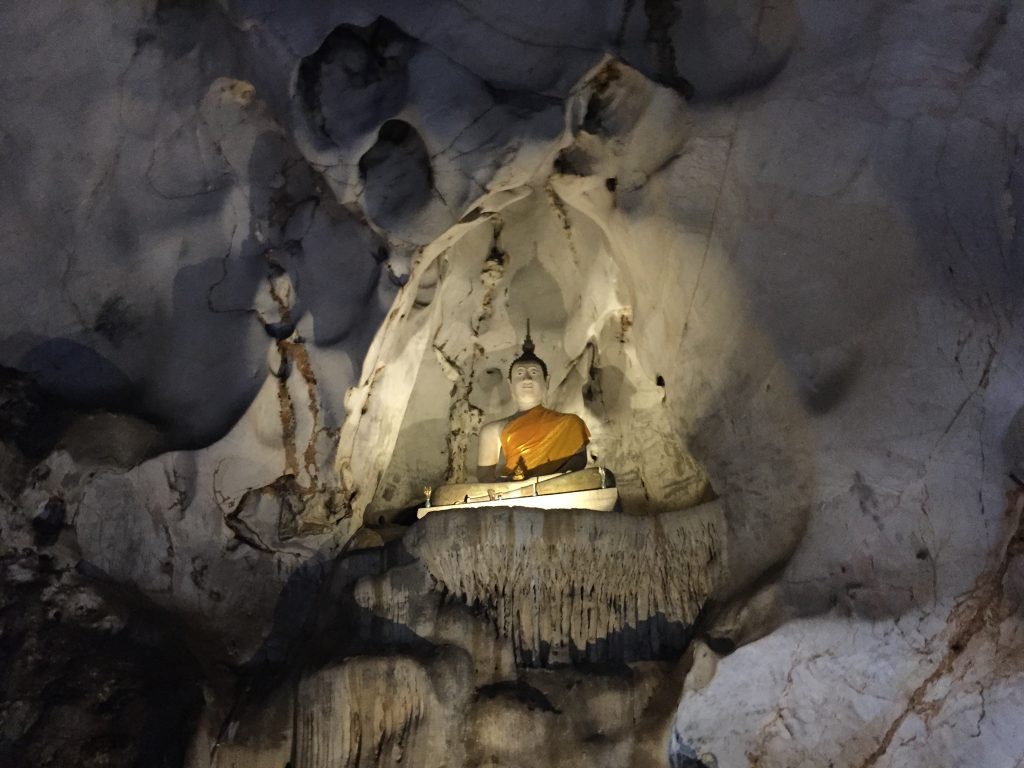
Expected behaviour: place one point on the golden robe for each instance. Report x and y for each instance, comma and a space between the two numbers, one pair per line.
540, 437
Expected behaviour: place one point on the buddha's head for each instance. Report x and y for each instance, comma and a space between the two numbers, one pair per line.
528, 376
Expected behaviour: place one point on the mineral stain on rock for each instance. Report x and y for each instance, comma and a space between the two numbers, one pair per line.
116, 320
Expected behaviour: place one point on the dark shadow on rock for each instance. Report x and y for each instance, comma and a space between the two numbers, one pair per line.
830, 387
30, 419
1013, 446
520, 691
77, 373
317, 623
398, 177
84, 688
210, 342
708, 51
317, 619
356, 79
653, 639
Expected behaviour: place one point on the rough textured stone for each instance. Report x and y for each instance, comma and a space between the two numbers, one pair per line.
90, 675
578, 585
401, 670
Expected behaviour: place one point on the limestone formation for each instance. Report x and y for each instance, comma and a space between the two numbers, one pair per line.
368, 711
404, 668
562, 582
265, 265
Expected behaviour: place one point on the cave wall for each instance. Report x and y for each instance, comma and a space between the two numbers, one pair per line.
268, 259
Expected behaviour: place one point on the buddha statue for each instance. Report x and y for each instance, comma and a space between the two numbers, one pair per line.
536, 457
535, 440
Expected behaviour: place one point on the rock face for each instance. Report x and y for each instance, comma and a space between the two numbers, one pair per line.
467, 643
86, 671
573, 579
266, 265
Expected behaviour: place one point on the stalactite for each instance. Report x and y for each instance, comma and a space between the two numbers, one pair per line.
367, 712
552, 579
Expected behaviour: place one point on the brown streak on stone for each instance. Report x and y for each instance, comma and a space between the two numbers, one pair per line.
563, 215
967, 620
286, 408
300, 355
461, 412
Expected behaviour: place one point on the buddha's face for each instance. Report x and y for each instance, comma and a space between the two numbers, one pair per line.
528, 385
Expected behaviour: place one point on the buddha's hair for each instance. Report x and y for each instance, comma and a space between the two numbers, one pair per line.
528, 356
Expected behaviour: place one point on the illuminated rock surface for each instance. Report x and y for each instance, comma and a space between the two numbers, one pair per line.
569, 579
267, 265
546, 664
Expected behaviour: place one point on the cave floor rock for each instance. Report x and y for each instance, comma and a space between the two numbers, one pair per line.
499, 638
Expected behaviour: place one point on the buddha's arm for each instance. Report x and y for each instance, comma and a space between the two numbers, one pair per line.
577, 461
487, 474
489, 452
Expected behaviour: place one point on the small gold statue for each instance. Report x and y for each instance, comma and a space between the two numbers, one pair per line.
519, 473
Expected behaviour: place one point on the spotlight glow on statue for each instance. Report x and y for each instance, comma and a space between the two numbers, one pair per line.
535, 440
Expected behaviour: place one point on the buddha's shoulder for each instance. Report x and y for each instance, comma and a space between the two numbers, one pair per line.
493, 427
566, 416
